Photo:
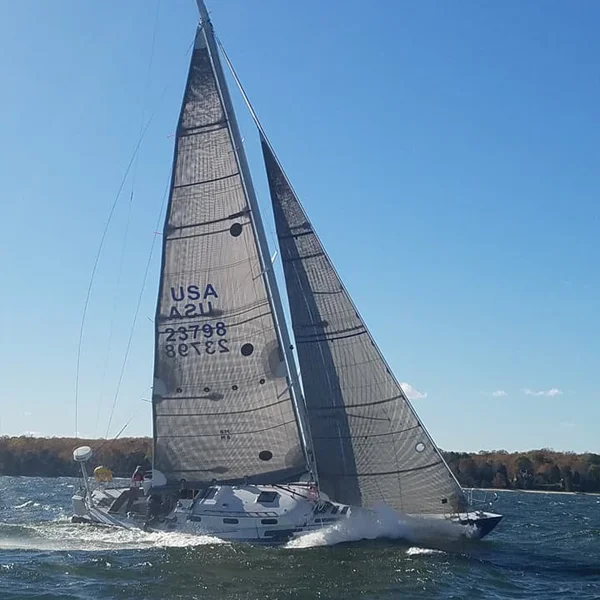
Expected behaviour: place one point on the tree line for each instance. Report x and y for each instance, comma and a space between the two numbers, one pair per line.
53, 457
543, 469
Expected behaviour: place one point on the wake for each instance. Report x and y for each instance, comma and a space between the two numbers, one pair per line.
64, 535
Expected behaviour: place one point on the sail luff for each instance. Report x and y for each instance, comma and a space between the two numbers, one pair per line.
299, 396
163, 255
267, 270
339, 357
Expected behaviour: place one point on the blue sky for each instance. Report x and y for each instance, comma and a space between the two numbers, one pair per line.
447, 154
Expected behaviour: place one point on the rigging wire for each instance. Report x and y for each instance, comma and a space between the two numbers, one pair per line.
131, 197
244, 95
266, 139
114, 312
99, 252
148, 264
147, 83
95, 267
96, 450
139, 302
303, 424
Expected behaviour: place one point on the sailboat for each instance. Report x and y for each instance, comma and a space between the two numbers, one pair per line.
243, 448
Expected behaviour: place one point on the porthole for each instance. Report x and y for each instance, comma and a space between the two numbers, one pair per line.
265, 455
179, 390
262, 381
207, 389
420, 447
234, 387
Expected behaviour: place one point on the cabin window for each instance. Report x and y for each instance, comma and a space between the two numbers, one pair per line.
335, 509
231, 521
210, 493
269, 521
265, 497
344, 510
325, 508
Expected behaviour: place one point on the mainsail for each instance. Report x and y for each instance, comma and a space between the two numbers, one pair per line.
368, 443
222, 405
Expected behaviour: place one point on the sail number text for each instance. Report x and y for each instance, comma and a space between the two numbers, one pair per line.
196, 339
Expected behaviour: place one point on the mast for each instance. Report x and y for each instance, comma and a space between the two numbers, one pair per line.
266, 266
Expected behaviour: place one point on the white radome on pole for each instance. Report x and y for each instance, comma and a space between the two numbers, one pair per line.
82, 454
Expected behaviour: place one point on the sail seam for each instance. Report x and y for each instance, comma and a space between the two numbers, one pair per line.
350, 406
329, 338
383, 473
296, 235
323, 324
187, 185
369, 436
236, 215
219, 414
210, 315
232, 433
200, 129
300, 258
196, 235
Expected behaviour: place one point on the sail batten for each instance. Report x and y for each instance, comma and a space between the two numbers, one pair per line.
222, 407
369, 445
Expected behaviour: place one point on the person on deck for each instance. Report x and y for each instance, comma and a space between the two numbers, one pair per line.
138, 477
134, 487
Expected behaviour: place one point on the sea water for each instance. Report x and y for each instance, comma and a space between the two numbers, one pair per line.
547, 547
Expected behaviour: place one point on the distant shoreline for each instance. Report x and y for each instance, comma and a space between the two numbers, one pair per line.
496, 471
537, 491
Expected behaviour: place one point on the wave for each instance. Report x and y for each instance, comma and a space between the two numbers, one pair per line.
382, 522
63, 535
27, 504
416, 551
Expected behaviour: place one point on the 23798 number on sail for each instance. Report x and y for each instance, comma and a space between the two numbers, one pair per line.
210, 338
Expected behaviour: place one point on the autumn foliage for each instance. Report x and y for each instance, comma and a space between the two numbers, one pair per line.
53, 457
542, 469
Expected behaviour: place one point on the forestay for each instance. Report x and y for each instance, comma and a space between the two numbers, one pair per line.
221, 401
369, 445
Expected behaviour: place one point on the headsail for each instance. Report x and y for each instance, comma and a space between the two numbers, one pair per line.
221, 404
369, 444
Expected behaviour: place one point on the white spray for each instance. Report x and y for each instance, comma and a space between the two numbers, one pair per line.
385, 523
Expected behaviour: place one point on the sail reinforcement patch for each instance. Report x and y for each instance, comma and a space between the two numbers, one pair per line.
247, 349
235, 230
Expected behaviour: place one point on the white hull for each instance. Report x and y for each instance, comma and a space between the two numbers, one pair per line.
262, 514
